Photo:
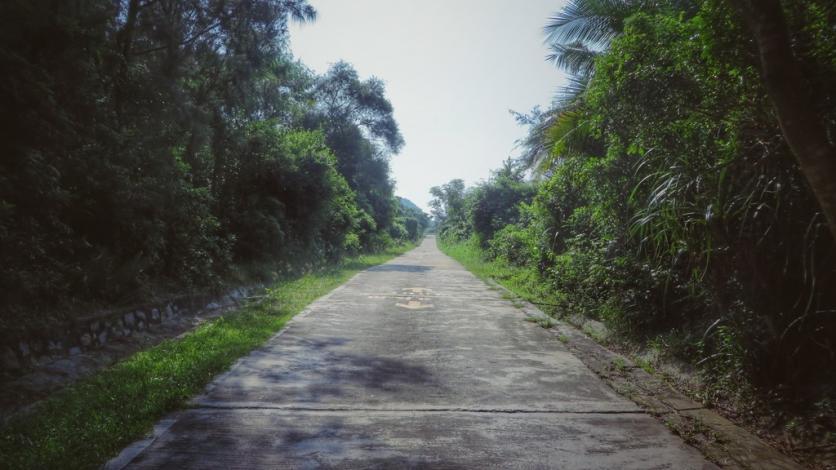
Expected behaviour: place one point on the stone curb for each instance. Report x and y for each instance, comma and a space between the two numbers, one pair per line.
88, 344
24, 351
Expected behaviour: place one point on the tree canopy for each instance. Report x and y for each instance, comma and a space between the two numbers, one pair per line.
155, 145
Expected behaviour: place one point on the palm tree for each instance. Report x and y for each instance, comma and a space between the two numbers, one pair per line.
584, 29
558, 127
577, 34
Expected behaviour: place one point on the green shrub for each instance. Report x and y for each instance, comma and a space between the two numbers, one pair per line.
514, 245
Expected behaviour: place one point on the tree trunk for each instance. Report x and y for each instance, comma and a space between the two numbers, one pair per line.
219, 162
124, 41
126, 34
801, 125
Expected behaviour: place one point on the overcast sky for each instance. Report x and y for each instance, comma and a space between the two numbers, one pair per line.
452, 68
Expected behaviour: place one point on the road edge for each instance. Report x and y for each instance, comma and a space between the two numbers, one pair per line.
720, 440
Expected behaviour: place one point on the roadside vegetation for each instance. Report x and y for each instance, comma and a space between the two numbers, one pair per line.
665, 194
152, 148
156, 147
85, 424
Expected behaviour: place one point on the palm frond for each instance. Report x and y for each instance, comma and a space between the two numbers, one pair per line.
570, 93
535, 148
575, 57
571, 135
299, 10
593, 22
557, 131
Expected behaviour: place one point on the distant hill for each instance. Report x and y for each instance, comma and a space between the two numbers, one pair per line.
407, 204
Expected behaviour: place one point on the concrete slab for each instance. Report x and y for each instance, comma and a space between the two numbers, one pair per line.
247, 439
414, 363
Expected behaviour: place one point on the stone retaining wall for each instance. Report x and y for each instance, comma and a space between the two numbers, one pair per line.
94, 331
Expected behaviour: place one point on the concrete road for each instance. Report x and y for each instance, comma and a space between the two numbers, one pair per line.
414, 364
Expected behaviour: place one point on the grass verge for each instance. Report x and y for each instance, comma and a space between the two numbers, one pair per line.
90, 421
522, 281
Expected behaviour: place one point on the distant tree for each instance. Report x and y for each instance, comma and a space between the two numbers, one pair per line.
345, 100
360, 128
414, 220
496, 203
448, 200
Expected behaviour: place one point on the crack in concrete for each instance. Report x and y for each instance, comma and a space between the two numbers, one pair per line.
220, 406
688, 409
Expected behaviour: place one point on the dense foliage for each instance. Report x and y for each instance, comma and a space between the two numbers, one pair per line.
150, 143
668, 203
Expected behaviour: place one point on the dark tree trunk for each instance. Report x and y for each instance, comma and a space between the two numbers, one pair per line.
801, 125
219, 162
124, 40
126, 34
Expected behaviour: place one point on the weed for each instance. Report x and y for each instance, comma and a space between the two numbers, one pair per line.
620, 364
593, 333
645, 365
547, 322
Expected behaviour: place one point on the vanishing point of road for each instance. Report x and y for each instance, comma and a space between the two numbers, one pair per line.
415, 363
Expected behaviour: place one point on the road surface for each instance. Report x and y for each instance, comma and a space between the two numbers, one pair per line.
415, 363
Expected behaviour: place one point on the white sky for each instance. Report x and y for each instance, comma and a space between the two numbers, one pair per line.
452, 68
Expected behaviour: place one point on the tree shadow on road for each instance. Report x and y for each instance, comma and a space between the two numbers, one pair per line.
308, 371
